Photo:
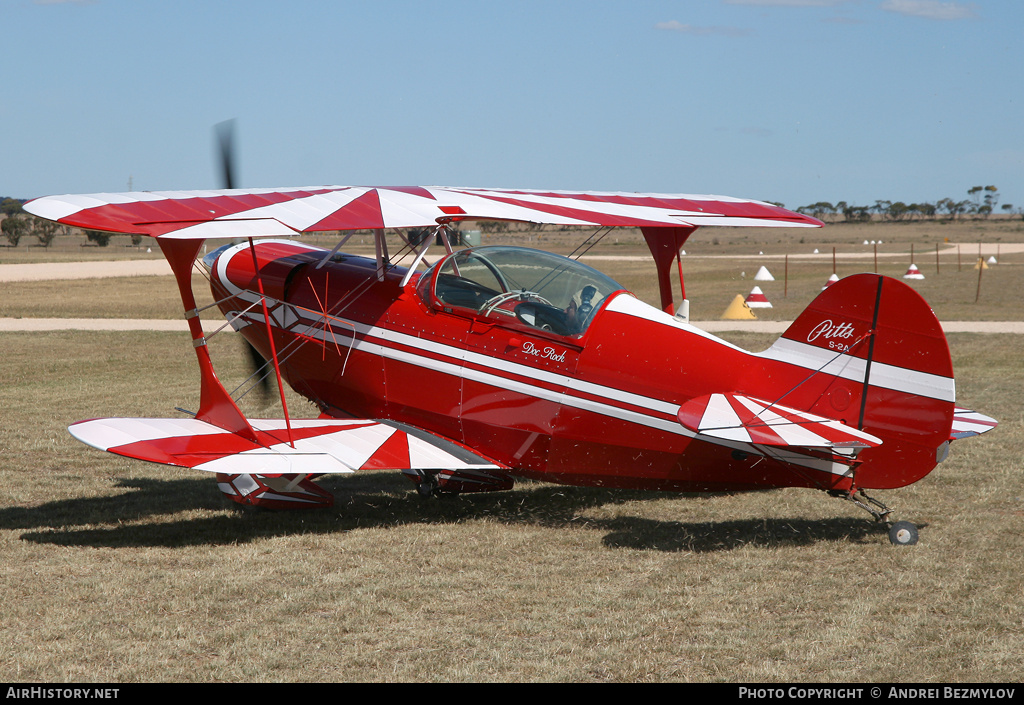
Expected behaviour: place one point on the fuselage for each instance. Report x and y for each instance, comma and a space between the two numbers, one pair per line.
512, 375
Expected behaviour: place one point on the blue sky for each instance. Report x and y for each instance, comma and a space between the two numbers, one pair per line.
795, 101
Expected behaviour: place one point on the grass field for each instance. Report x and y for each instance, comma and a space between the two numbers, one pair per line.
118, 570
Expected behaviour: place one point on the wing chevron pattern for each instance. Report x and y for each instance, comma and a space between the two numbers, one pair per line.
743, 419
321, 446
277, 212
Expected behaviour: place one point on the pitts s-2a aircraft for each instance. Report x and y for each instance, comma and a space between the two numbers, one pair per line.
501, 362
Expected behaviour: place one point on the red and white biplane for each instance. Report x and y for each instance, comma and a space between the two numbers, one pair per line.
501, 362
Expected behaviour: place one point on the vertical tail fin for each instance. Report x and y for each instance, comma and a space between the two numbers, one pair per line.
874, 356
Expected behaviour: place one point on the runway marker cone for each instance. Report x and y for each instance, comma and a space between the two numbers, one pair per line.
991, 259
831, 280
757, 299
981, 264
763, 275
738, 311
913, 273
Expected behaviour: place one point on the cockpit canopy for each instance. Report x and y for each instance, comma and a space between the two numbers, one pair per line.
541, 289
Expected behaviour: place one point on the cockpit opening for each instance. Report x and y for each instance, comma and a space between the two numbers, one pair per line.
540, 289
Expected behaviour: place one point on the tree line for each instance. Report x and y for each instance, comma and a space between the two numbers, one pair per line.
980, 203
18, 224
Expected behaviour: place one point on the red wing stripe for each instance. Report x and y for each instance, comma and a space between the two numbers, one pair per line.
361, 212
719, 420
801, 429
760, 429
580, 214
393, 453
157, 216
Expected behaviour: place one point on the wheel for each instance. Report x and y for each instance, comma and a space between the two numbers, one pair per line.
427, 487
903, 533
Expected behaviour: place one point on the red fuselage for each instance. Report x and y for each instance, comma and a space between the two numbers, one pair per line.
592, 406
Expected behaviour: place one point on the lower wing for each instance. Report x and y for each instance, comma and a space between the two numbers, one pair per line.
310, 447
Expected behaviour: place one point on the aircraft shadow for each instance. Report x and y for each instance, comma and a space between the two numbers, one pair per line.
387, 500
703, 537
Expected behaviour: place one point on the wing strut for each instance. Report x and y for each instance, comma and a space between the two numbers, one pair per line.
665, 245
270, 338
380, 246
215, 406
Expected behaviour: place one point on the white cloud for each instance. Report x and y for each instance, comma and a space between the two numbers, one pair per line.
674, 26
931, 9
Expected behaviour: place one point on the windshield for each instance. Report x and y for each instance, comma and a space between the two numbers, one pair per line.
541, 289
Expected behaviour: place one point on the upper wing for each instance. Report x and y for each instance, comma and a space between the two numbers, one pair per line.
320, 446
243, 213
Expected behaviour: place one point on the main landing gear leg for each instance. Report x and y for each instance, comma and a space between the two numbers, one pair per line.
901, 533
428, 485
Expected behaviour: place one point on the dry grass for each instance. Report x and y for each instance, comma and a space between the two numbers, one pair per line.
720, 264
124, 297
117, 570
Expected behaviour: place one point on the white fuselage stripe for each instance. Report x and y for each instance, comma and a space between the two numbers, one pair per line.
828, 362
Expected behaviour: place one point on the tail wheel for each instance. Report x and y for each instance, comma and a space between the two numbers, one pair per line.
903, 533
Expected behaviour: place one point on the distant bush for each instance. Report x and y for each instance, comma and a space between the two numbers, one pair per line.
46, 230
15, 227
101, 238
11, 206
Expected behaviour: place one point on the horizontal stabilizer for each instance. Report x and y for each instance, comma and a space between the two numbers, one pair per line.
735, 417
967, 423
320, 446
